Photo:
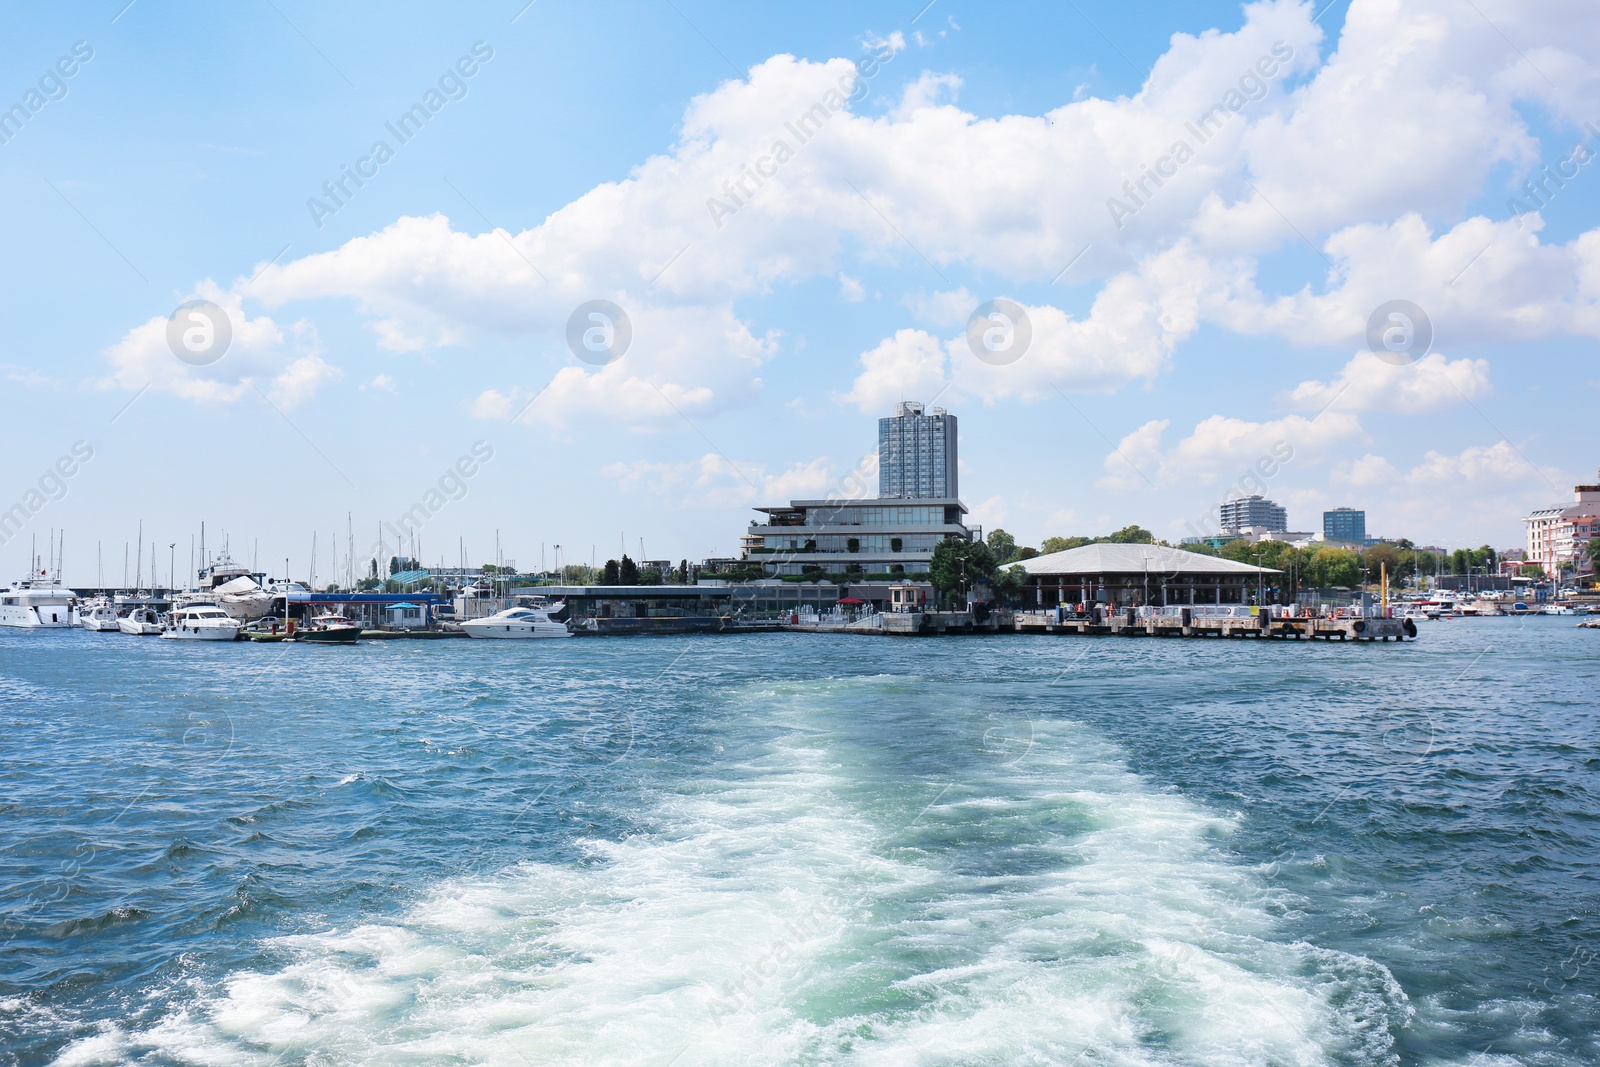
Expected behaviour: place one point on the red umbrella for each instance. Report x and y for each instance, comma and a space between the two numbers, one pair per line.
851, 600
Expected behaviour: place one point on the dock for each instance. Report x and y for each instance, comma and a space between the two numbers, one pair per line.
1118, 623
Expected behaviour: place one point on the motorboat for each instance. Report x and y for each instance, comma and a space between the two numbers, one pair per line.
40, 602
141, 622
201, 622
518, 623
330, 629
99, 615
269, 628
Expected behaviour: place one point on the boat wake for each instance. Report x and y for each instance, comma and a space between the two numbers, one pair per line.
853, 885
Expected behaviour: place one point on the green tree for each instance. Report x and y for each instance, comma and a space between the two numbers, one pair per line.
650, 576
612, 574
1375, 558
1003, 545
1010, 583
1026, 552
1060, 544
958, 563
1130, 535
683, 572
627, 572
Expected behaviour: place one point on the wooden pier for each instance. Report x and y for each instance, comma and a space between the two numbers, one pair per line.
1119, 623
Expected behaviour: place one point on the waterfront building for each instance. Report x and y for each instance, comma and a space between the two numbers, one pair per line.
917, 453
1242, 513
886, 537
881, 536
1558, 536
1116, 575
1345, 524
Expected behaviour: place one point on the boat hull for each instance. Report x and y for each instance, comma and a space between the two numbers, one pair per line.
191, 632
536, 631
341, 635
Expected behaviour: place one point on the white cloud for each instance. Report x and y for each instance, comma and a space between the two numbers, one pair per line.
907, 366
1369, 383
1404, 123
1221, 448
285, 362
716, 481
850, 289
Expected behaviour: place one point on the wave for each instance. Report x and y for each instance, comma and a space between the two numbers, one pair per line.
879, 872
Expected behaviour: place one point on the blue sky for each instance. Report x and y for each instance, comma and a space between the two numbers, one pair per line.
1223, 319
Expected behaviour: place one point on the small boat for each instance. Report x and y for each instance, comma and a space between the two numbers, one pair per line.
518, 623
269, 628
38, 603
141, 622
100, 615
201, 622
330, 629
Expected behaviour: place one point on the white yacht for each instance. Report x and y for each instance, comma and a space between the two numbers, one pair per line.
141, 622
201, 622
39, 602
520, 623
100, 615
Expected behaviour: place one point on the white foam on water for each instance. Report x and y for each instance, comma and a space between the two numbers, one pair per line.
787, 912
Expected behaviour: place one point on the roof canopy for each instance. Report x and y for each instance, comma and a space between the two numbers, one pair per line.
1135, 559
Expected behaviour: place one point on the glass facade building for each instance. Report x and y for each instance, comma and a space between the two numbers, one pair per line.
917, 453
1345, 524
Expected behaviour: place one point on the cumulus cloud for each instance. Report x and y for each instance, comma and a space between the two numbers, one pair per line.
1369, 383
1307, 151
1220, 447
283, 361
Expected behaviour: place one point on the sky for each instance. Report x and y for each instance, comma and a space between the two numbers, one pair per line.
296, 270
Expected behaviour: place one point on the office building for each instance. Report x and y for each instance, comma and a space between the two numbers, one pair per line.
1345, 524
917, 453
1253, 512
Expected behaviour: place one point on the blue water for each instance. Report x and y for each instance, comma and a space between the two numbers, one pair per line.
802, 849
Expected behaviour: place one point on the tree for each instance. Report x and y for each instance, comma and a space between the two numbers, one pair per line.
852, 544
683, 572
1027, 553
1375, 558
1130, 535
1594, 551
613, 573
1003, 545
1060, 544
627, 572
650, 576
958, 563
1010, 583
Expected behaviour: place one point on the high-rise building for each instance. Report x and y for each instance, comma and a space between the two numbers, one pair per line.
1246, 512
1345, 524
917, 453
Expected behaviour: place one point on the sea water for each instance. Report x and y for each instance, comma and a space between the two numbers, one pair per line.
802, 849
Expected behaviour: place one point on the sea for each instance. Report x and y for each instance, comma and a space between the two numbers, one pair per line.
803, 849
